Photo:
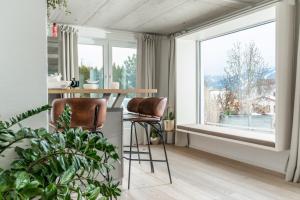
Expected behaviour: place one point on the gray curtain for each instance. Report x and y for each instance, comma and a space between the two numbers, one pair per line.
146, 61
293, 166
172, 74
156, 67
146, 67
69, 54
156, 61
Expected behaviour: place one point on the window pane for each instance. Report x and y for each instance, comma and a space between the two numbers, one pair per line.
124, 67
90, 60
238, 73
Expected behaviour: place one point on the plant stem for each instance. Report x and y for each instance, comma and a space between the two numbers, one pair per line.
15, 141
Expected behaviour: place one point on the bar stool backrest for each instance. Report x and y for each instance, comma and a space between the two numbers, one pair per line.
88, 113
133, 104
153, 106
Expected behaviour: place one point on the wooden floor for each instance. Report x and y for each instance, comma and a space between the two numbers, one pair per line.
201, 176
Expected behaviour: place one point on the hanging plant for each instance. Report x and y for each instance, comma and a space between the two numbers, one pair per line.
57, 4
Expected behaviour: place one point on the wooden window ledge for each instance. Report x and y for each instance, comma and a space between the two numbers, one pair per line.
251, 137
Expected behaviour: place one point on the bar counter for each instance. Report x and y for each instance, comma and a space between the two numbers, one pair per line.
107, 93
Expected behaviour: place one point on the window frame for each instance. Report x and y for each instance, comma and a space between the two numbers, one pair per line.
107, 44
200, 76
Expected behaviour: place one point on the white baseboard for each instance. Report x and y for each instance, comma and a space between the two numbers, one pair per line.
271, 160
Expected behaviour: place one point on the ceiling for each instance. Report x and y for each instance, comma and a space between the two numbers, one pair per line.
153, 16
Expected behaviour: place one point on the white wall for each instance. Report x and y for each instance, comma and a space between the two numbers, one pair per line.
186, 81
23, 67
185, 85
267, 159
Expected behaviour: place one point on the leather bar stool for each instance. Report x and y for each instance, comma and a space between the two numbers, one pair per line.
87, 113
146, 112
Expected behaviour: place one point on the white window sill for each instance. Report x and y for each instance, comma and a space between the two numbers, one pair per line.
240, 136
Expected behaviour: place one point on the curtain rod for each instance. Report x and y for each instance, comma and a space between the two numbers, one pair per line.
226, 17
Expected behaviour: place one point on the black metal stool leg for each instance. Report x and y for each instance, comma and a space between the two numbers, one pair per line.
130, 149
149, 148
137, 144
163, 142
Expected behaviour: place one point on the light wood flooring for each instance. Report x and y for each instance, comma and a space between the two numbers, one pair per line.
201, 176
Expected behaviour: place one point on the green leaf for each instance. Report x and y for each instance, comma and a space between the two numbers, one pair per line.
93, 192
64, 120
19, 165
62, 140
45, 146
7, 137
61, 161
50, 192
64, 193
5, 182
22, 179
25, 115
54, 164
32, 189
68, 175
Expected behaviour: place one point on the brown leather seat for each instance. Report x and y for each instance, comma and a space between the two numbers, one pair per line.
140, 118
146, 109
87, 113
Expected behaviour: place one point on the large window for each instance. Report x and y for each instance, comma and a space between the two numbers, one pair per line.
238, 79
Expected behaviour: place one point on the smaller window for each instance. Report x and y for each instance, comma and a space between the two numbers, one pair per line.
124, 64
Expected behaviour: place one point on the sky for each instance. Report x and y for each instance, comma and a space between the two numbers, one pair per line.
214, 51
119, 55
92, 55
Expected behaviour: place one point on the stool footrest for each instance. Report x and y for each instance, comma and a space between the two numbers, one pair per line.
147, 160
135, 152
128, 146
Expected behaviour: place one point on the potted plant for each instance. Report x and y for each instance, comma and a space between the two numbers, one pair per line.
66, 164
154, 137
169, 122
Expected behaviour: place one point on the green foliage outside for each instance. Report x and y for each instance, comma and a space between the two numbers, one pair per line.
67, 164
91, 73
125, 74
